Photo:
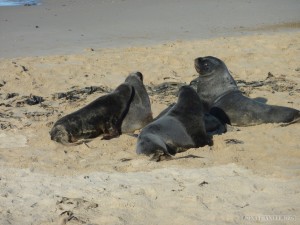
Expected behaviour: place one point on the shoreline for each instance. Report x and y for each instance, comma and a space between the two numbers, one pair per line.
271, 30
55, 28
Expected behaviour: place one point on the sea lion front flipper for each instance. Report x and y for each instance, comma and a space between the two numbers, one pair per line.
180, 149
111, 129
160, 155
110, 136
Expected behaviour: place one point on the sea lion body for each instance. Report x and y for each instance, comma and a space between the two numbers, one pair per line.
181, 128
239, 110
222, 98
213, 125
102, 116
139, 114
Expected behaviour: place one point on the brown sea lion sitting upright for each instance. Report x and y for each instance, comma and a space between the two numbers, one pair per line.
139, 114
222, 98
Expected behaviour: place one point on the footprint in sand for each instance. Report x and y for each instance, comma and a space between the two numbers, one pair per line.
72, 206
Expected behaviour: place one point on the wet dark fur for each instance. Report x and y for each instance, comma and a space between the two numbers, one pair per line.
103, 116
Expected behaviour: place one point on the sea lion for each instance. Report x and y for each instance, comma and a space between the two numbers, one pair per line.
213, 125
221, 96
139, 114
181, 128
102, 116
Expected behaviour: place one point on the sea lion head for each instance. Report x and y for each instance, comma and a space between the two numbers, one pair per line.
126, 91
188, 99
186, 92
59, 134
135, 77
208, 65
214, 78
150, 144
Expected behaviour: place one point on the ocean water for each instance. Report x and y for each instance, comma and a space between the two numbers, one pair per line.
18, 2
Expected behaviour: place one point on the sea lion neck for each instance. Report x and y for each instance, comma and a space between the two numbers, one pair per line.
210, 87
188, 98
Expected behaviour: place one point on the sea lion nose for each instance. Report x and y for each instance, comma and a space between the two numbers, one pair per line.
198, 60
197, 64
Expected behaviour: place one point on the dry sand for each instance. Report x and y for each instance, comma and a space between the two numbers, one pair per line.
250, 175
107, 183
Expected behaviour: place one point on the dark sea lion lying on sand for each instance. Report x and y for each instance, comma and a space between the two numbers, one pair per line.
181, 128
103, 116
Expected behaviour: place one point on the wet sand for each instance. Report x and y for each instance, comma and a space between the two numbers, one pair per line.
70, 26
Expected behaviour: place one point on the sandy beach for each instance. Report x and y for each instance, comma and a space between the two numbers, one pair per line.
249, 176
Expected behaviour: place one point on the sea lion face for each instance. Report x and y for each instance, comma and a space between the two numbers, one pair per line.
59, 134
149, 144
214, 79
208, 65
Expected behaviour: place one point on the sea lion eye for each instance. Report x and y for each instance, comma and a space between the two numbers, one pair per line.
206, 66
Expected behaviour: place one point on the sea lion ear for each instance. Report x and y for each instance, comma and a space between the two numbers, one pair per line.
140, 75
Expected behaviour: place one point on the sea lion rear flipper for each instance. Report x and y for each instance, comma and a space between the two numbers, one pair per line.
297, 120
220, 114
213, 125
